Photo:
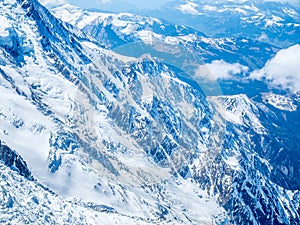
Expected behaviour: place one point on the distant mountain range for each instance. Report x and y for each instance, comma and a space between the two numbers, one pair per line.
271, 22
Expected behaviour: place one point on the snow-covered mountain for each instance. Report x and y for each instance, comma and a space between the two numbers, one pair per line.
273, 22
134, 35
92, 137
114, 30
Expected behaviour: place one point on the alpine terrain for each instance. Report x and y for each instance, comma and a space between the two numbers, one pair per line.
112, 118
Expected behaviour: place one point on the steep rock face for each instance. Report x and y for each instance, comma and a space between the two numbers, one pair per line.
269, 129
255, 184
280, 145
11, 159
127, 137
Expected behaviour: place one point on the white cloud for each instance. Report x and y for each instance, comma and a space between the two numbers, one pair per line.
283, 70
188, 8
219, 69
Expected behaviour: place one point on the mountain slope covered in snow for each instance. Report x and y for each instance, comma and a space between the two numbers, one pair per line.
89, 136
